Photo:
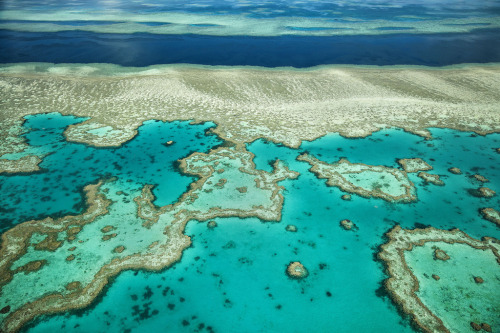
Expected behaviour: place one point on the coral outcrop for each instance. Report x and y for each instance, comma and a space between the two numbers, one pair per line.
296, 270
365, 180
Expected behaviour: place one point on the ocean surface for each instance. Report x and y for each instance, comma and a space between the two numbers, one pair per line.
232, 278
256, 33
143, 49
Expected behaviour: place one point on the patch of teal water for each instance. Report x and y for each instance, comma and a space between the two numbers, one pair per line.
380, 148
69, 166
233, 277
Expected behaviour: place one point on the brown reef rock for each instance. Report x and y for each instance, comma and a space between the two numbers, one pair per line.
455, 171
441, 255
296, 270
348, 224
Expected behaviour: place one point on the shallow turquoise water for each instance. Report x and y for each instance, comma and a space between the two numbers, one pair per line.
233, 277
456, 293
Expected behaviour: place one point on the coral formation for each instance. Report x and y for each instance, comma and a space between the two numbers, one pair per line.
365, 180
478, 279
485, 192
455, 171
480, 178
429, 178
211, 224
348, 225
486, 327
23, 165
163, 225
242, 189
475, 326
345, 102
414, 165
119, 249
441, 255
402, 283
491, 215
296, 270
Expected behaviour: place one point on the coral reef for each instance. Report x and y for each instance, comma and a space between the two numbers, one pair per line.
475, 326
345, 102
348, 225
296, 270
491, 215
211, 224
23, 165
478, 279
164, 226
346, 197
429, 178
441, 255
100, 135
119, 249
486, 327
365, 180
455, 171
402, 284
485, 192
480, 178
414, 165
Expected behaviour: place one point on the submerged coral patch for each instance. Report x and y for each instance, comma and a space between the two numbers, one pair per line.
491, 215
414, 164
348, 224
455, 170
296, 270
480, 178
485, 192
99, 135
365, 180
464, 269
430, 178
23, 165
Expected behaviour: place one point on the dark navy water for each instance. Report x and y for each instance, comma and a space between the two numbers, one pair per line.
143, 49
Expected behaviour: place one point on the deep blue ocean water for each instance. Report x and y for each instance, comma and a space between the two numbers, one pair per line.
142, 49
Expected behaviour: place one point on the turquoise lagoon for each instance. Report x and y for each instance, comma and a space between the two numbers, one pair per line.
233, 277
